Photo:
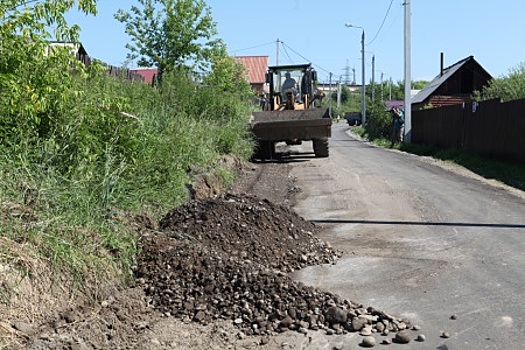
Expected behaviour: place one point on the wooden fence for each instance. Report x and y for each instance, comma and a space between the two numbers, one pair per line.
112, 70
488, 128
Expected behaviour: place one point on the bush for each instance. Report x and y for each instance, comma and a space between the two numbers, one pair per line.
108, 146
378, 121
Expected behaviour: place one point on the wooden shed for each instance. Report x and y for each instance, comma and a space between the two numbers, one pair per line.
454, 85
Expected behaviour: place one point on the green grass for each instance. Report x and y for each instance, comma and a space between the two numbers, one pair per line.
70, 197
509, 173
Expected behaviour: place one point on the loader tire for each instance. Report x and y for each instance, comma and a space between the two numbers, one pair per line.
321, 148
265, 150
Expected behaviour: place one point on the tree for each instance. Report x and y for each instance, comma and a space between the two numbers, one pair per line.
170, 34
510, 87
228, 76
33, 85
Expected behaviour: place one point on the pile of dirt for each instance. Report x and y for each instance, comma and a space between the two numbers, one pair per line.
226, 258
248, 228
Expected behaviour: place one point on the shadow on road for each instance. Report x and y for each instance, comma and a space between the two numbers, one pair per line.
288, 157
417, 223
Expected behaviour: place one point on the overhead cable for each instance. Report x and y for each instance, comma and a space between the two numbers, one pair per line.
306, 59
382, 24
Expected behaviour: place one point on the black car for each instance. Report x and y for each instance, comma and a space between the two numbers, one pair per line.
353, 118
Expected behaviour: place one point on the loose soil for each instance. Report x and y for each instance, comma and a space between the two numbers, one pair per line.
212, 274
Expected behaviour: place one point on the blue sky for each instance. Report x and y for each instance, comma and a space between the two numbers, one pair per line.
315, 31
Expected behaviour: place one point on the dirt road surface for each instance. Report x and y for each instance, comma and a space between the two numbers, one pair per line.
420, 238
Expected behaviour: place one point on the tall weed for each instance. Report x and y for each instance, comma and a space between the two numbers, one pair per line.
113, 147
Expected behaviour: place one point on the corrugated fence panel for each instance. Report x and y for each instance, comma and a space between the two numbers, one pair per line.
490, 128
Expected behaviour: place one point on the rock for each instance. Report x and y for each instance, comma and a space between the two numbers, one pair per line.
367, 330
403, 337
69, 317
335, 315
401, 326
286, 322
454, 317
369, 318
368, 342
445, 335
24, 327
358, 324
421, 338
199, 316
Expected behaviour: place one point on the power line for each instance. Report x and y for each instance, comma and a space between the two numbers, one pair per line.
382, 24
286, 53
254, 47
306, 59
285, 47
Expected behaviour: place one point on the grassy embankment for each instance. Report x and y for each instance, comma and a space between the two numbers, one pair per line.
68, 188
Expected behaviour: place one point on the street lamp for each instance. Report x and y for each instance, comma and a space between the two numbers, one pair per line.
363, 86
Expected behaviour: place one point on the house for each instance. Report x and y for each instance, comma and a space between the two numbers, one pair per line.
76, 49
256, 67
148, 74
400, 103
453, 85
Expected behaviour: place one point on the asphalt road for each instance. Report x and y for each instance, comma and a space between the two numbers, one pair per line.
418, 240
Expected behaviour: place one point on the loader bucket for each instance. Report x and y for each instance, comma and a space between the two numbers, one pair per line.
284, 115
286, 125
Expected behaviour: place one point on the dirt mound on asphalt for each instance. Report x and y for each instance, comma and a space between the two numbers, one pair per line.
226, 258
248, 228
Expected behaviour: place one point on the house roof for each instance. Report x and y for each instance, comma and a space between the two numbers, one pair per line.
77, 48
431, 87
147, 73
394, 103
256, 66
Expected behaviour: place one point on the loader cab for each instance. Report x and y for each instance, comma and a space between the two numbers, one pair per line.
291, 86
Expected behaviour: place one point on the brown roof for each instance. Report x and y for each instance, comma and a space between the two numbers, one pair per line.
147, 73
256, 66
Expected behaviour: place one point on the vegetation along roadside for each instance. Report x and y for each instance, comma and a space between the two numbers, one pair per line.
83, 152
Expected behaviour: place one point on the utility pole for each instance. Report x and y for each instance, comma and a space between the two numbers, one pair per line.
390, 89
373, 76
408, 79
363, 92
330, 96
363, 84
339, 95
382, 99
277, 53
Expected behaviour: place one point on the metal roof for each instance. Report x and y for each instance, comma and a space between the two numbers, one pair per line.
431, 87
256, 66
147, 73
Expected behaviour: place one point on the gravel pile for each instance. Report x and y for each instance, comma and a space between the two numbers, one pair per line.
227, 258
